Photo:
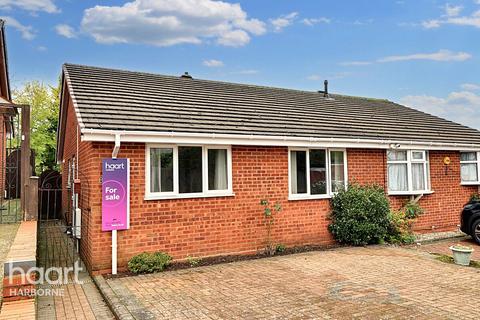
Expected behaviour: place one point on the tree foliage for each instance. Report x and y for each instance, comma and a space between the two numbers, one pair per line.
44, 101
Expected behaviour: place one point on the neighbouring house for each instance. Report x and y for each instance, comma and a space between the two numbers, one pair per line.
204, 153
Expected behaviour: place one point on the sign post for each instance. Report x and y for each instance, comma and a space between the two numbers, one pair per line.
115, 200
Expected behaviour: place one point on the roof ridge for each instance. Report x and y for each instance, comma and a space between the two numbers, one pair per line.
358, 97
198, 79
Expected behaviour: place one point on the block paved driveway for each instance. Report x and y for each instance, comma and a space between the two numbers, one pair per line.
366, 283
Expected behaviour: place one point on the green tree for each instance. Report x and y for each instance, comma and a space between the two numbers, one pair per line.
44, 101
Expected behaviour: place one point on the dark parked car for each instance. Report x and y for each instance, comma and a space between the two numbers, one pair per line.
471, 220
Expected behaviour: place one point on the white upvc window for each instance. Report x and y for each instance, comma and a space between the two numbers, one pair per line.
408, 172
187, 171
316, 173
469, 167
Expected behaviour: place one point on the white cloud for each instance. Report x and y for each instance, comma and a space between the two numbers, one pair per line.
452, 16
314, 77
337, 75
462, 107
441, 55
283, 21
65, 30
30, 5
248, 71
313, 21
42, 48
212, 63
171, 22
470, 86
355, 63
362, 22
472, 21
431, 24
28, 33
452, 11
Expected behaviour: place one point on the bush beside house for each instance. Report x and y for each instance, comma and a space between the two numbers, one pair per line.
361, 215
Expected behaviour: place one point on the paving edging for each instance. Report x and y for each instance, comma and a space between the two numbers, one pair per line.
437, 236
118, 309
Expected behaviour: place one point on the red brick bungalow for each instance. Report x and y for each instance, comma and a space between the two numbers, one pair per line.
204, 153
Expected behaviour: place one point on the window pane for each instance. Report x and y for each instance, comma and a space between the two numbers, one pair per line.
416, 155
469, 172
161, 170
190, 169
418, 176
397, 177
318, 172
338, 170
217, 169
468, 156
393, 155
298, 171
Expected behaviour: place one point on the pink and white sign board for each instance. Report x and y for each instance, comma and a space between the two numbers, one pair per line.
115, 194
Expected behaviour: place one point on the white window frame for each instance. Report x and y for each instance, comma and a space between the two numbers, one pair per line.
328, 164
477, 162
426, 171
175, 193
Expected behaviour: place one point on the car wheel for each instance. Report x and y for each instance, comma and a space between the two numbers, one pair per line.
476, 231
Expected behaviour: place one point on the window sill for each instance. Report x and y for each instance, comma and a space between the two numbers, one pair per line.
409, 193
471, 183
189, 196
319, 197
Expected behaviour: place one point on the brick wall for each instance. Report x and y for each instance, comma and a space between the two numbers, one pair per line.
82, 151
209, 226
442, 208
231, 225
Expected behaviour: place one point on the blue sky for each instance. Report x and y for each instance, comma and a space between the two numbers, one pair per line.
423, 53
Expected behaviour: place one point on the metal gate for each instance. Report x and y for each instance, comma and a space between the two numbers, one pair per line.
10, 164
56, 246
50, 196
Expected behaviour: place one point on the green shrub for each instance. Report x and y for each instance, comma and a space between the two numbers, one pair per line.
280, 248
412, 210
193, 262
401, 221
474, 197
149, 262
268, 212
400, 228
360, 215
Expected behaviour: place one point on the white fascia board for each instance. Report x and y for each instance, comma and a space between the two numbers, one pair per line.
100, 135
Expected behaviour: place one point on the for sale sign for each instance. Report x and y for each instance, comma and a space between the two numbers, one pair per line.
115, 194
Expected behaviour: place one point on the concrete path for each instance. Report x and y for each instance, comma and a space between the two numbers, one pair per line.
347, 283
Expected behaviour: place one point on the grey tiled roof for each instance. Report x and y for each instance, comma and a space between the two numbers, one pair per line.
124, 100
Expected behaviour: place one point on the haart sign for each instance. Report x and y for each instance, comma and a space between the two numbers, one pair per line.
115, 194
